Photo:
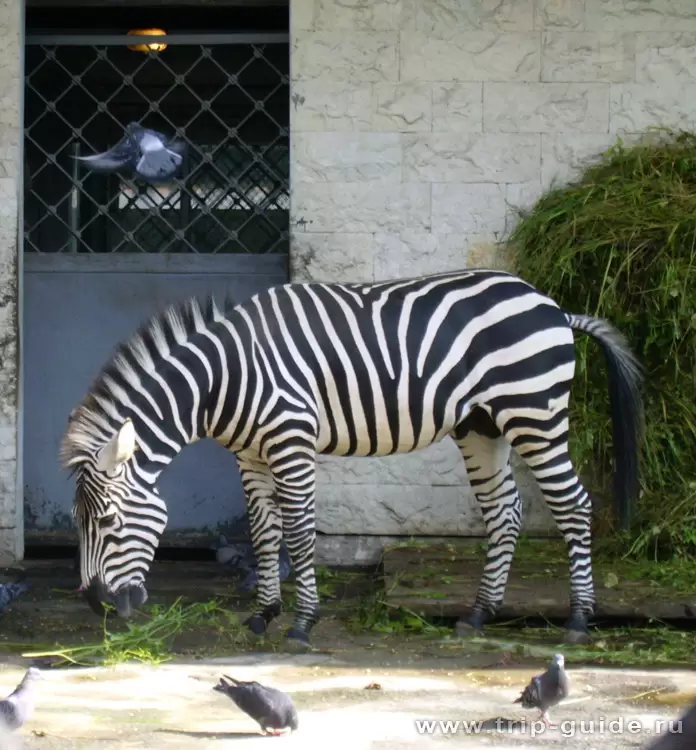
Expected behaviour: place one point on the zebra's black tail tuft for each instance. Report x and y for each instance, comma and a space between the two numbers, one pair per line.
625, 378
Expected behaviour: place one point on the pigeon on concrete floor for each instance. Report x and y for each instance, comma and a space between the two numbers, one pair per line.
10, 591
152, 155
271, 708
679, 734
18, 707
240, 557
547, 690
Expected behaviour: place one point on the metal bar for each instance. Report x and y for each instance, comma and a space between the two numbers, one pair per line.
119, 40
74, 205
240, 264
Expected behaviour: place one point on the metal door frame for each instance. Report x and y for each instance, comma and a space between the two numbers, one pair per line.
92, 40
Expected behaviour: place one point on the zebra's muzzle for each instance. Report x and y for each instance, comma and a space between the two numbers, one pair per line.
125, 600
128, 598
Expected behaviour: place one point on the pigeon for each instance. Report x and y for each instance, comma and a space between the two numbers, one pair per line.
18, 707
11, 591
241, 557
272, 709
546, 690
152, 155
680, 734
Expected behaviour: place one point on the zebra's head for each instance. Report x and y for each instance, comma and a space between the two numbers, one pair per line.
119, 516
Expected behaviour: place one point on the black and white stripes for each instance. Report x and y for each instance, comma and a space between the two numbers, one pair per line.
346, 370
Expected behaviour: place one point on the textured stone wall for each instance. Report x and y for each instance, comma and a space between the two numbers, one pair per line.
11, 69
416, 126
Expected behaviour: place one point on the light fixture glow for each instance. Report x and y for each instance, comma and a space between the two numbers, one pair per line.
149, 46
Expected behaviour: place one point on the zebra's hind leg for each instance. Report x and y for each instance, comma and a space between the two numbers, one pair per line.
540, 437
294, 473
487, 457
266, 528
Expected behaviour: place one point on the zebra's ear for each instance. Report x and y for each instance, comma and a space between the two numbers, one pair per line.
119, 449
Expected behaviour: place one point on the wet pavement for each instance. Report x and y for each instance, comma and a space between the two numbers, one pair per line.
137, 707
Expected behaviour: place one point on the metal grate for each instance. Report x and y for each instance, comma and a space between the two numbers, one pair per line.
227, 97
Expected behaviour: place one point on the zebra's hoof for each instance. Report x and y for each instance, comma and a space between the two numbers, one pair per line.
297, 640
577, 637
466, 629
576, 631
256, 624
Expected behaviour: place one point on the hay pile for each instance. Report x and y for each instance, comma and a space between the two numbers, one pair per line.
620, 243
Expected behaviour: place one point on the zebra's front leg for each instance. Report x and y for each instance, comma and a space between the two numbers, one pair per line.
487, 458
295, 475
266, 529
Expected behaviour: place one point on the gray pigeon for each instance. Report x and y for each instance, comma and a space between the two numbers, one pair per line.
18, 707
679, 734
241, 558
546, 690
10, 591
149, 153
272, 709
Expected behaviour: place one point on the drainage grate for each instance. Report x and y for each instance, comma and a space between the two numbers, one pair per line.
226, 96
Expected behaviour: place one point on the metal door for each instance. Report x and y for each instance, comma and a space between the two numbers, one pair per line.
104, 252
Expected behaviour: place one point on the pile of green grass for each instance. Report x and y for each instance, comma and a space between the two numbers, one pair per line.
620, 243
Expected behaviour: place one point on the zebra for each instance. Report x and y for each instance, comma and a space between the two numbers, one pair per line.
308, 369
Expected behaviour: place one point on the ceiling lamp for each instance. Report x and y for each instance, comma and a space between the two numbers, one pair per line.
149, 46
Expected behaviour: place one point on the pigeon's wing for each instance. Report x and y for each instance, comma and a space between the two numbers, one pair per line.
10, 591
553, 687
563, 684
251, 699
266, 705
280, 705
227, 555
287, 713
146, 138
150, 140
284, 568
249, 582
531, 695
158, 165
177, 146
123, 154
8, 714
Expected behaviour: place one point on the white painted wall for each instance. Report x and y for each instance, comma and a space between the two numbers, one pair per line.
415, 125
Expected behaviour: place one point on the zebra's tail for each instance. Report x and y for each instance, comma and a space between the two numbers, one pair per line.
625, 377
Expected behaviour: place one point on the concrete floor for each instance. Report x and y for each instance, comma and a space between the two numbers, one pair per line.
173, 705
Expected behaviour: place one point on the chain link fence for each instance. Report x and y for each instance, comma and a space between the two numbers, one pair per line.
227, 97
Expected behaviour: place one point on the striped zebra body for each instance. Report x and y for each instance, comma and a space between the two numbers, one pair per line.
344, 370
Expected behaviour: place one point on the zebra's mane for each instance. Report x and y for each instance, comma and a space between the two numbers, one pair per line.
96, 419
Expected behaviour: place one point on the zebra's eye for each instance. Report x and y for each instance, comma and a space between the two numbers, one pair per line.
107, 521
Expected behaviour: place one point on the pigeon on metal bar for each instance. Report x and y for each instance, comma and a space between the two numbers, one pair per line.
18, 707
11, 591
546, 690
272, 709
150, 154
680, 734
240, 556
